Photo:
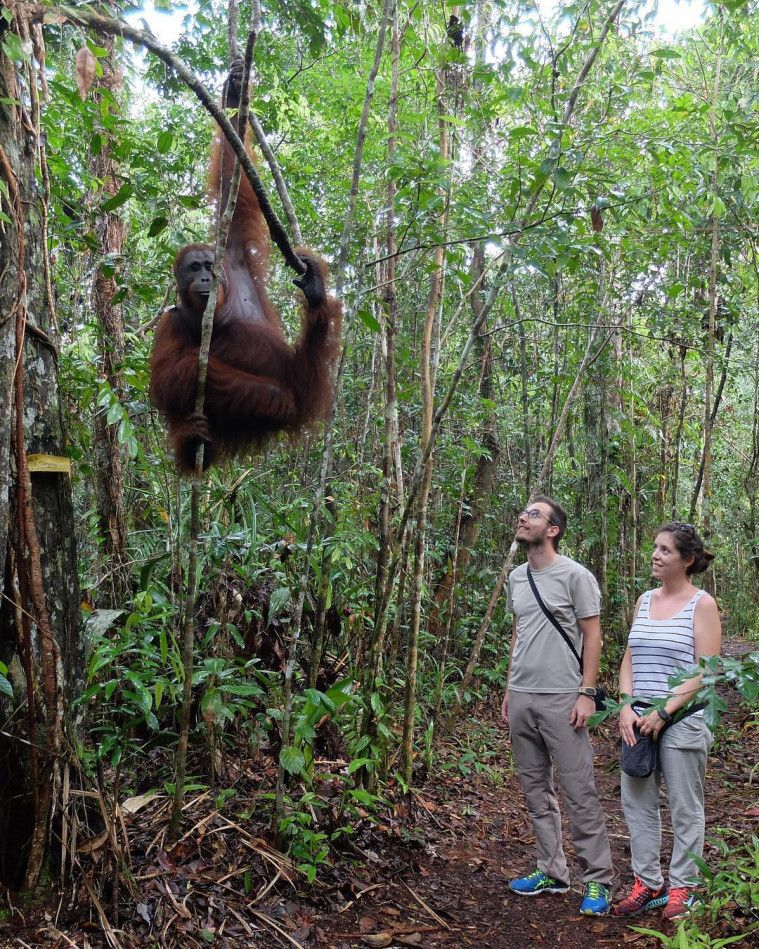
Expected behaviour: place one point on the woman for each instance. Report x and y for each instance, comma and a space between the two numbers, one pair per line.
675, 625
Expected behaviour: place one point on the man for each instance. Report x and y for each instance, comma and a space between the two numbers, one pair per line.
548, 702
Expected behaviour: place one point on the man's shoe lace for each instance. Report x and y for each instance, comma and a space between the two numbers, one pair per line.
596, 891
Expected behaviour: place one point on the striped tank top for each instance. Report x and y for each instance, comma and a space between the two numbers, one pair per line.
660, 648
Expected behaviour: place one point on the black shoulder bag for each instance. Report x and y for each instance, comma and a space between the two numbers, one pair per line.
642, 759
600, 698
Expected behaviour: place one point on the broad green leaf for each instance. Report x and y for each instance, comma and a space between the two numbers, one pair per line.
124, 193
369, 320
13, 49
157, 225
291, 759
520, 132
165, 141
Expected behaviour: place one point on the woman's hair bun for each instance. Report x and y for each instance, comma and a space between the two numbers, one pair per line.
702, 560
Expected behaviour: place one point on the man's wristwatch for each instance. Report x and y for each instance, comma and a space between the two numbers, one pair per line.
590, 690
664, 715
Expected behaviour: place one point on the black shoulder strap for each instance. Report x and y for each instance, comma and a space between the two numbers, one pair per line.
551, 617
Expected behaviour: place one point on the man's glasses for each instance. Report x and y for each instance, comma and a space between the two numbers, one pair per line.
533, 514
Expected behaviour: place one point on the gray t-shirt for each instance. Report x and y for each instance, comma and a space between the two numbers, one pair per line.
542, 661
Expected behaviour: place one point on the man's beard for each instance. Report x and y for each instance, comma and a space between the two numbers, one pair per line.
528, 543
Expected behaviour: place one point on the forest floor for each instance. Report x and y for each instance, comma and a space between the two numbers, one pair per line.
431, 873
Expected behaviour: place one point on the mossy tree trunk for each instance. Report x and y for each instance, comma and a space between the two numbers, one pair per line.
40, 645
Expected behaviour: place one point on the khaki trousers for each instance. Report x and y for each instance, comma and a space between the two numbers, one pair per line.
682, 762
543, 740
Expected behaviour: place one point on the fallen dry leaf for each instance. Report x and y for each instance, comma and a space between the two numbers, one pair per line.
133, 804
378, 940
412, 939
94, 843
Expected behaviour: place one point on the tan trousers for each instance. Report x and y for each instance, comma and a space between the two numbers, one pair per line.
682, 761
543, 740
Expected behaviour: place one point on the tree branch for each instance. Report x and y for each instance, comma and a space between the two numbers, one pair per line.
103, 24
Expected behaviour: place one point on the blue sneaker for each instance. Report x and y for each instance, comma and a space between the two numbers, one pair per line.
596, 900
536, 883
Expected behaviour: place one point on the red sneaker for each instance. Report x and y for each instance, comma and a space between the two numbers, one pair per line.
641, 898
681, 902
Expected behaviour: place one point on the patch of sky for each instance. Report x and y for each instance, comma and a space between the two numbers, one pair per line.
667, 18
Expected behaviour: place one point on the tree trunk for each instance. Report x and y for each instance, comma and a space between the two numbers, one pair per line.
469, 519
679, 432
39, 615
108, 452
388, 489
706, 483
485, 469
427, 372
751, 480
597, 440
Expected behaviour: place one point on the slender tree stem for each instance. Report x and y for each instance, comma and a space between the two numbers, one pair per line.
191, 589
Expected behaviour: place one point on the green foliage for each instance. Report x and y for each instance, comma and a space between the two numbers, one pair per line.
729, 901
643, 145
134, 673
732, 886
688, 936
741, 673
135, 677
5, 686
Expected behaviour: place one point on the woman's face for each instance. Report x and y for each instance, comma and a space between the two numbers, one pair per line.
667, 562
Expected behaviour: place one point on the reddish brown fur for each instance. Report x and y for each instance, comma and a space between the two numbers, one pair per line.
257, 384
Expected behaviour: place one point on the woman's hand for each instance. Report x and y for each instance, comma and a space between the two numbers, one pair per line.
627, 719
651, 724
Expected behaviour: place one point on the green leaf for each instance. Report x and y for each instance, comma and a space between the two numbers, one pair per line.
5, 687
157, 225
369, 320
563, 179
291, 759
165, 141
279, 599
124, 193
377, 707
13, 49
665, 53
520, 132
